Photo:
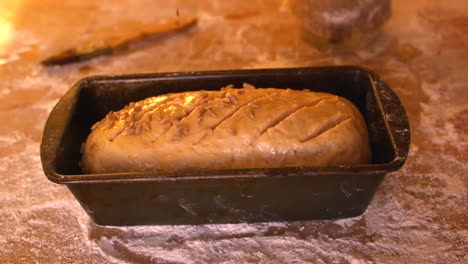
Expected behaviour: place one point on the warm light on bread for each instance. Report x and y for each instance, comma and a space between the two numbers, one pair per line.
228, 129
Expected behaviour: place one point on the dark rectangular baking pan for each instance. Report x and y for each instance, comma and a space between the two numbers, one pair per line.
229, 196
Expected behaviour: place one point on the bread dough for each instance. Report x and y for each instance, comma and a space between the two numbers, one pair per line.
228, 129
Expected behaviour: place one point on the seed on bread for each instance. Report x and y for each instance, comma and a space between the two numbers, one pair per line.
96, 125
248, 86
233, 99
230, 86
251, 114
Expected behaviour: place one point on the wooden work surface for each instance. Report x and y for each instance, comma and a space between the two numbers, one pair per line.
418, 215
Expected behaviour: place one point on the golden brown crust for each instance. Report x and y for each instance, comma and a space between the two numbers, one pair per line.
231, 128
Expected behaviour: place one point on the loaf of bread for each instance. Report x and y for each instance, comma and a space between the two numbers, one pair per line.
228, 129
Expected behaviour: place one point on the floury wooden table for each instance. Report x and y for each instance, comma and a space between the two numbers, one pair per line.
418, 214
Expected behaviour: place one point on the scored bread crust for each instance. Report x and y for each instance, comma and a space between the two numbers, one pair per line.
229, 129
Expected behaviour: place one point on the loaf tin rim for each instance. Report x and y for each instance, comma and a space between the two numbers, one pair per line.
48, 154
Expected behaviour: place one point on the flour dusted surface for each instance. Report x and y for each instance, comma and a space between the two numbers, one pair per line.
417, 216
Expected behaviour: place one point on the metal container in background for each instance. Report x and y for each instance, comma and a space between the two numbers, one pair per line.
228, 196
341, 23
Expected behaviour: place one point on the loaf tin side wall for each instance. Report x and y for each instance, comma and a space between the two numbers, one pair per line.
227, 201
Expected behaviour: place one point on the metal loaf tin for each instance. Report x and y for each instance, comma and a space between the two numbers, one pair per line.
230, 196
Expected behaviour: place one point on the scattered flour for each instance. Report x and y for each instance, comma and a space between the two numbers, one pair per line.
418, 214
